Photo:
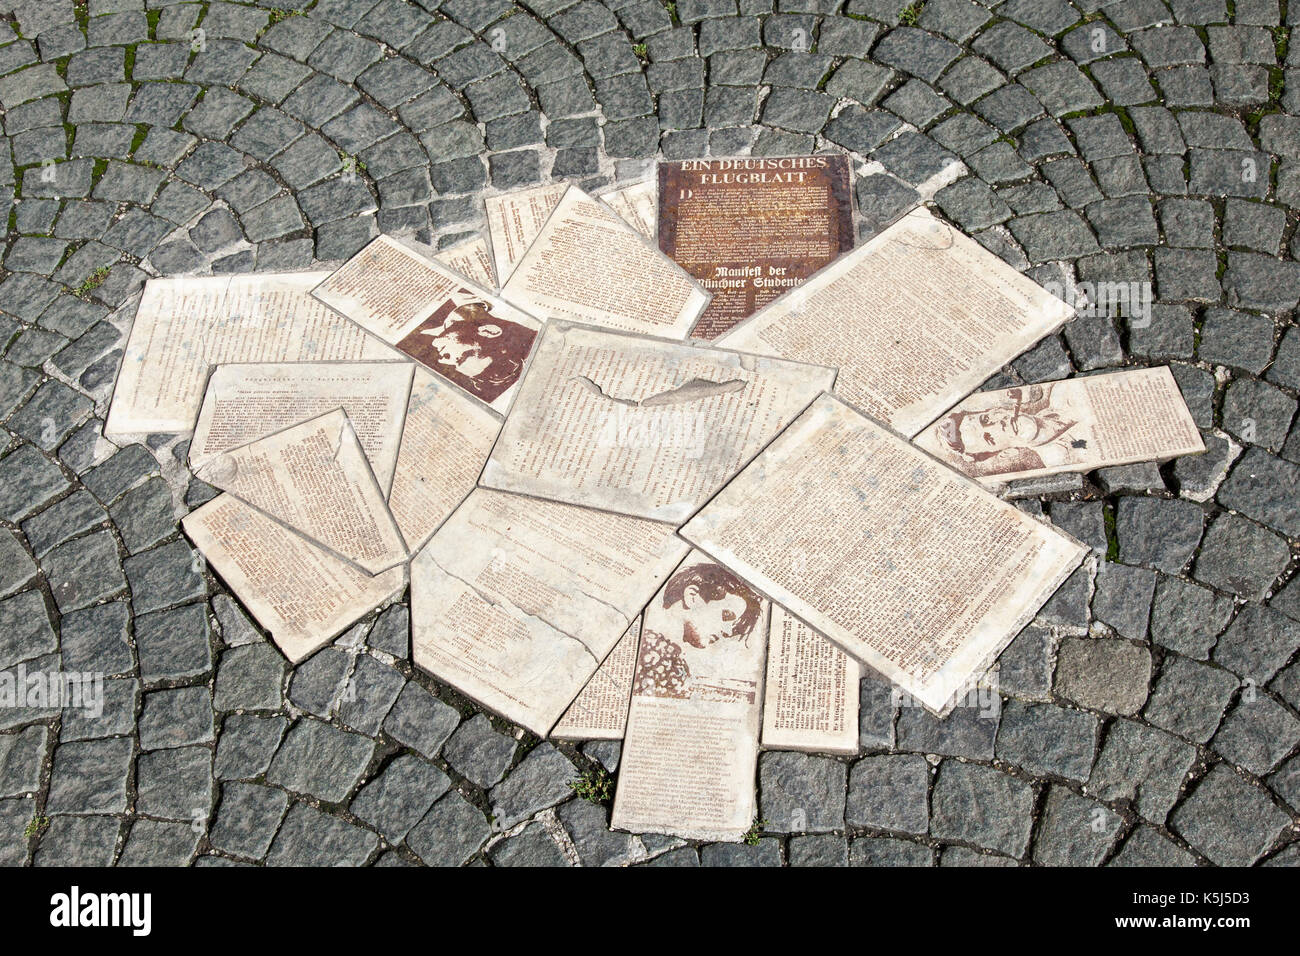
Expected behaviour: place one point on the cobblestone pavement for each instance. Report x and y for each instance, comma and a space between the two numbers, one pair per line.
1150, 713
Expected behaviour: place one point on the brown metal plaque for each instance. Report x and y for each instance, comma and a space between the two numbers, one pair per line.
749, 230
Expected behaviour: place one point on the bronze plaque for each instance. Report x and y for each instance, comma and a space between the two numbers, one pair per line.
750, 229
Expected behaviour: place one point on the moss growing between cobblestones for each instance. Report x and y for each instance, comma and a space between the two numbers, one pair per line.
1254, 117
754, 833
37, 825
594, 786
93, 282
1112, 540
279, 14
1124, 119
351, 164
141, 134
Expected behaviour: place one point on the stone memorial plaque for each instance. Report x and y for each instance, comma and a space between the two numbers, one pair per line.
636, 205
600, 711
691, 746
516, 602
185, 325
248, 401
302, 594
445, 441
642, 426
811, 697
588, 265
915, 319
314, 478
452, 327
749, 229
514, 219
471, 259
908, 565
1079, 424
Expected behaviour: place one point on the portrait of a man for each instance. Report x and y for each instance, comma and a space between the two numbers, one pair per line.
463, 341
702, 605
1020, 431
